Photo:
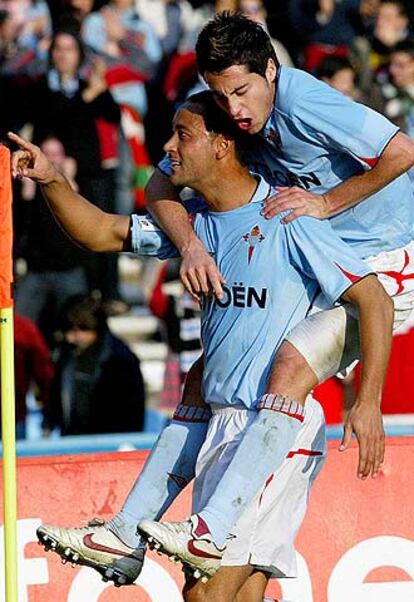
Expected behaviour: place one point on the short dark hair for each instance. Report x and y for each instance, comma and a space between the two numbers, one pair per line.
406, 46
232, 39
218, 122
331, 65
215, 119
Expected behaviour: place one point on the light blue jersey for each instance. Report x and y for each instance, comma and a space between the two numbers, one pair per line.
316, 138
273, 273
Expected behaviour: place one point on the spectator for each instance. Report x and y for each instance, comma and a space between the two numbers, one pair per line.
393, 92
132, 53
33, 368
170, 19
118, 33
25, 29
338, 72
29, 22
391, 26
65, 105
327, 27
400, 104
98, 386
56, 267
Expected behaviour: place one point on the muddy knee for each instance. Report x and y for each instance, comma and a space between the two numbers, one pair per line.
291, 375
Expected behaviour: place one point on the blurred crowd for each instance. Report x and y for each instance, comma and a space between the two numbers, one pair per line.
95, 84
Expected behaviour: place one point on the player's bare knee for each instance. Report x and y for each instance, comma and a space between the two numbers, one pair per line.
291, 375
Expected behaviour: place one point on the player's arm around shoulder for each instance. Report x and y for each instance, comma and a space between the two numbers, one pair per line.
198, 271
163, 202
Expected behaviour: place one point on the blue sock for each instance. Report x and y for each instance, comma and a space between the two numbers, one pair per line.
166, 472
261, 451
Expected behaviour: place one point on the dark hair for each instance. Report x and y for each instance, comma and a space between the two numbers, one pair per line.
232, 39
218, 122
77, 39
215, 119
406, 46
85, 313
3, 16
331, 65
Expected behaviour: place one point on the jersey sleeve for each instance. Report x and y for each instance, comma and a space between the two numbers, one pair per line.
318, 252
327, 116
148, 239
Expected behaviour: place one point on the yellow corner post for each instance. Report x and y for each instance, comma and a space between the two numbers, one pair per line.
7, 381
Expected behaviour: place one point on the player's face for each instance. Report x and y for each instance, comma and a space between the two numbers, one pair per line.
246, 97
343, 81
191, 149
402, 69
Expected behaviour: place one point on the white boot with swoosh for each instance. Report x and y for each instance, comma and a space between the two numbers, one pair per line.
189, 541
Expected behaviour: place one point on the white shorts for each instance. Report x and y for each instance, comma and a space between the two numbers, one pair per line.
329, 338
265, 533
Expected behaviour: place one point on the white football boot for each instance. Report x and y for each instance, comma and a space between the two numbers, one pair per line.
189, 541
94, 546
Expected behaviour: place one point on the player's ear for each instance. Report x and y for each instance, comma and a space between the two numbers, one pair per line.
271, 71
224, 145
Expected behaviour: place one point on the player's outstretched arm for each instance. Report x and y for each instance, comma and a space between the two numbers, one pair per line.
199, 271
396, 159
376, 314
85, 223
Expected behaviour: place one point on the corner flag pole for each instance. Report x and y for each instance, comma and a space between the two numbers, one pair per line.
7, 380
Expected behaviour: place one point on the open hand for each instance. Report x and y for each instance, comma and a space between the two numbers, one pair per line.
298, 201
365, 421
199, 272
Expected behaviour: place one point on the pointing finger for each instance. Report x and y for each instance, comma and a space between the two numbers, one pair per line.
21, 142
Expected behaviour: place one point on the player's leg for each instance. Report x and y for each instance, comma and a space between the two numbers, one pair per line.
280, 414
171, 464
253, 589
223, 587
278, 508
278, 511
271, 434
168, 469
327, 342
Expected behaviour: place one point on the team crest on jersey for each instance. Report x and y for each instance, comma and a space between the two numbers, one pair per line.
253, 238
